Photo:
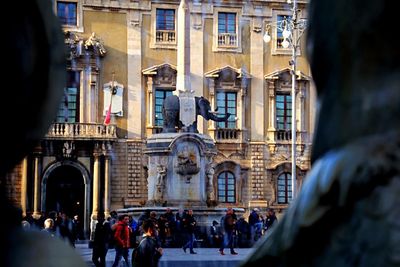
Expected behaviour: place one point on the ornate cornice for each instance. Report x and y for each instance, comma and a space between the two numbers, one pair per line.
77, 46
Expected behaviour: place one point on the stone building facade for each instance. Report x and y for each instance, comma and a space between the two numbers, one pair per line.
83, 166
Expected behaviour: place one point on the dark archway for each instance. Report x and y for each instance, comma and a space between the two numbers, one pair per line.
65, 191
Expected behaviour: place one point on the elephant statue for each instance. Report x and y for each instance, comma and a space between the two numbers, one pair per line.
170, 111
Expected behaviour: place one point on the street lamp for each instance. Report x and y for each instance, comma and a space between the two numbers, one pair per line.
292, 29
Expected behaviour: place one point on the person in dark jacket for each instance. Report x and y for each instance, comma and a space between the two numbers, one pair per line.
228, 222
102, 235
216, 237
189, 223
148, 252
270, 220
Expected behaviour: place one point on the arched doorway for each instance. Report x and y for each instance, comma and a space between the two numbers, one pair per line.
65, 191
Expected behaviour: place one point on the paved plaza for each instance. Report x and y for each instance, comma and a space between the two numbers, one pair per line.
176, 257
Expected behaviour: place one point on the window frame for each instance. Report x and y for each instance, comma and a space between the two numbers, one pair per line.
276, 50
226, 101
225, 190
64, 104
154, 44
164, 90
79, 16
287, 107
287, 183
216, 47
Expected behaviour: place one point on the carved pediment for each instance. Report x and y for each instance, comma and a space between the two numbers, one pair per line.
285, 75
227, 73
164, 73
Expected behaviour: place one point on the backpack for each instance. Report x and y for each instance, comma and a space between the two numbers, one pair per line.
135, 254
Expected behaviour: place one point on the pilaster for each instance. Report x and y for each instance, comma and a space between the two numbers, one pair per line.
135, 93
257, 81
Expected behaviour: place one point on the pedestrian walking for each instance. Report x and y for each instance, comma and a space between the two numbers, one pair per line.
189, 224
122, 240
228, 225
148, 252
102, 235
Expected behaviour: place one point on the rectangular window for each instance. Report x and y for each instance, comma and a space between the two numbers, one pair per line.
165, 19
226, 22
227, 36
226, 187
283, 111
281, 22
226, 103
284, 188
69, 107
165, 26
67, 13
160, 95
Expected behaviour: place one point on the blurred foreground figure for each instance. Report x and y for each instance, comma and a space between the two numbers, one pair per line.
347, 213
32, 85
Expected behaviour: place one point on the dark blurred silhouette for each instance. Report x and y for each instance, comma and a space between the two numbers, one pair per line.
33, 82
347, 213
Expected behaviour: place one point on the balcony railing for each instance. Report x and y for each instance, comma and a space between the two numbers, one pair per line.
283, 135
227, 134
82, 131
227, 40
165, 37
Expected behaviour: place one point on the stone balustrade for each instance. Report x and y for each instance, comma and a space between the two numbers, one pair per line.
165, 36
222, 134
82, 131
227, 40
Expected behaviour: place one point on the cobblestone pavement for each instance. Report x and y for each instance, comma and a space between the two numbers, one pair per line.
175, 257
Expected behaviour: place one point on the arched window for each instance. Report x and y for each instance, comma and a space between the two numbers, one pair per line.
284, 188
226, 187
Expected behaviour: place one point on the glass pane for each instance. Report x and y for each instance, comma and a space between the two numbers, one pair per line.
159, 94
220, 96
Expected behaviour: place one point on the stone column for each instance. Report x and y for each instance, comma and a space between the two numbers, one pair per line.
135, 92
271, 113
107, 188
96, 193
150, 95
93, 99
150, 105
36, 186
24, 185
241, 123
96, 185
301, 112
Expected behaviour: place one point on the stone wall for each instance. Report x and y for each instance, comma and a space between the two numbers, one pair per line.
137, 180
119, 183
12, 184
257, 172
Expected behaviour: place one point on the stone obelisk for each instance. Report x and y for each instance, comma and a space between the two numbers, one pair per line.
187, 111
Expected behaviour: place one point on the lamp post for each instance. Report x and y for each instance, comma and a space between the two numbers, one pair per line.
292, 29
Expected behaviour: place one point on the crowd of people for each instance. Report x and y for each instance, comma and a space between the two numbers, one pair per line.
150, 233
56, 224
